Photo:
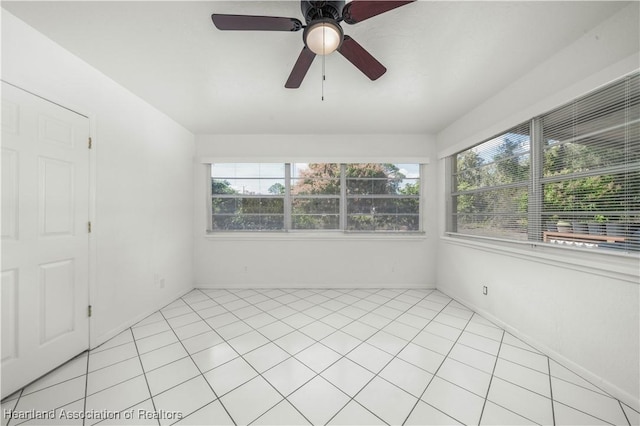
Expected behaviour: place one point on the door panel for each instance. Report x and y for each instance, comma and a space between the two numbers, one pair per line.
45, 243
9, 194
10, 114
56, 200
52, 130
57, 299
9, 314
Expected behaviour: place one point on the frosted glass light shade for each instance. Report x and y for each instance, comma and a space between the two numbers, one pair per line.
323, 38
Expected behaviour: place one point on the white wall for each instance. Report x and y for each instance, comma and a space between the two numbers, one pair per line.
142, 177
308, 259
583, 310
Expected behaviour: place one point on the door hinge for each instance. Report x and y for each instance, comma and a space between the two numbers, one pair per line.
89, 227
90, 143
89, 311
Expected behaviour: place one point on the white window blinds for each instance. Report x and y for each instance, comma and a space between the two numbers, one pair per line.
571, 176
591, 166
490, 186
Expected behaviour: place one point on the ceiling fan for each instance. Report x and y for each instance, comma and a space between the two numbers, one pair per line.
322, 35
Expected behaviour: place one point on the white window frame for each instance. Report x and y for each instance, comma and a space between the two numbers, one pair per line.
287, 232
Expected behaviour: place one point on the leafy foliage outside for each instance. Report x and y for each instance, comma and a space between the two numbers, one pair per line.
589, 171
492, 187
245, 213
491, 201
379, 198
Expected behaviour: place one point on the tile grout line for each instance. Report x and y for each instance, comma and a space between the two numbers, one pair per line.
223, 307
546, 374
317, 341
520, 365
549, 359
550, 398
495, 403
551, 394
53, 409
432, 320
86, 389
64, 381
254, 329
436, 372
553, 409
484, 404
146, 381
191, 378
15, 406
116, 384
599, 391
605, 395
55, 384
293, 328
243, 295
393, 357
378, 329
492, 375
284, 398
630, 408
486, 398
498, 377
21, 390
293, 355
111, 365
593, 416
624, 412
352, 398
95, 351
532, 350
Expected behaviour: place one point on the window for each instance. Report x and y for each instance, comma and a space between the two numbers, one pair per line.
315, 196
383, 197
247, 197
591, 163
366, 197
491, 181
571, 176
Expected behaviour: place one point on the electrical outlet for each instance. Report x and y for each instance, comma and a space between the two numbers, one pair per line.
161, 282
485, 290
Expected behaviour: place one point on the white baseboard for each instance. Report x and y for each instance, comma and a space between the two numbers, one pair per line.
596, 380
327, 286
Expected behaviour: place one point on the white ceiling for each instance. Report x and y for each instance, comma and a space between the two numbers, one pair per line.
443, 58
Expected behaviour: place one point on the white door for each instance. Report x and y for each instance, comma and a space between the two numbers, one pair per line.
45, 241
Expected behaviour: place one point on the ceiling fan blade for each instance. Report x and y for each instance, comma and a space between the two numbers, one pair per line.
359, 10
362, 59
300, 68
255, 23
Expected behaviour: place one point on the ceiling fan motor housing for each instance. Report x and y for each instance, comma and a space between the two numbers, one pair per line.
313, 9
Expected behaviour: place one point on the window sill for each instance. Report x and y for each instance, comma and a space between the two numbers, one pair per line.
609, 263
314, 236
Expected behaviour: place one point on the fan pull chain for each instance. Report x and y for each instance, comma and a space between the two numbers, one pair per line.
323, 76
323, 61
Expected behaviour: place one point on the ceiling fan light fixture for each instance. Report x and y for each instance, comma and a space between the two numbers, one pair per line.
323, 36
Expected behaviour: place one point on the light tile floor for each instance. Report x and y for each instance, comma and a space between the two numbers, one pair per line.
300, 356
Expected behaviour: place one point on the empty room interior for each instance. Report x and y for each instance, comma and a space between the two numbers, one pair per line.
319, 212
